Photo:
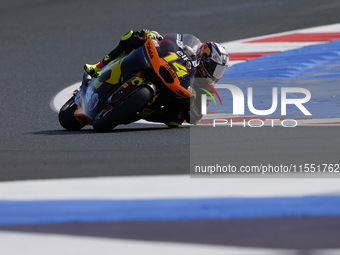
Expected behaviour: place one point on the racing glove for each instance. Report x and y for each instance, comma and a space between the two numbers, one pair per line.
135, 39
146, 34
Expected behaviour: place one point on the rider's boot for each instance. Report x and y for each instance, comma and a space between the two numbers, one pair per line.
93, 70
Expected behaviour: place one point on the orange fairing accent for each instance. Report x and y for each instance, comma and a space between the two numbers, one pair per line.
157, 63
81, 115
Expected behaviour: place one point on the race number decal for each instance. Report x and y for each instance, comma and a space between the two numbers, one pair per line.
181, 70
171, 57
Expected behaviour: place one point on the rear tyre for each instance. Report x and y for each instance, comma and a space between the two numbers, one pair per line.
112, 116
66, 116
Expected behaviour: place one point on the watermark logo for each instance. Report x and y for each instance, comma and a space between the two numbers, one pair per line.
285, 98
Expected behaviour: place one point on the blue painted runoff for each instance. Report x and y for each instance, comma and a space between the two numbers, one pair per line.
315, 68
67, 211
292, 63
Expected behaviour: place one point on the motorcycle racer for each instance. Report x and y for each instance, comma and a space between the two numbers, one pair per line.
209, 59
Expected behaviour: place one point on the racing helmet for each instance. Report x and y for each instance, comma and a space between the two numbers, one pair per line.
214, 60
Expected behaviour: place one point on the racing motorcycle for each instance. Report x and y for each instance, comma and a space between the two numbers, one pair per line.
162, 72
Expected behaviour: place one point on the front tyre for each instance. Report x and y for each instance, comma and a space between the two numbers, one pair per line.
66, 116
112, 116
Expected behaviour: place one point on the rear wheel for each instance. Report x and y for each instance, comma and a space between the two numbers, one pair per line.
111, 116
66, 116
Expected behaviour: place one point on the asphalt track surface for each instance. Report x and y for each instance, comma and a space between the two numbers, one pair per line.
292, 233
44, 45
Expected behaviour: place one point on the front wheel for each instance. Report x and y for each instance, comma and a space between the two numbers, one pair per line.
66, 116
112, 116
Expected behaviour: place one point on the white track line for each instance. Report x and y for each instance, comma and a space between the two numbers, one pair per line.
61, 97
265, 47
334, 28
166, 186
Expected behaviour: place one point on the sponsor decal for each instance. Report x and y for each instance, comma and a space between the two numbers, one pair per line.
181, 93
182, 55
148, 47
94, 101
171, 71
179, 43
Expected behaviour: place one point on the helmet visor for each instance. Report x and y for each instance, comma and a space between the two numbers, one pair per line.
214, 69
